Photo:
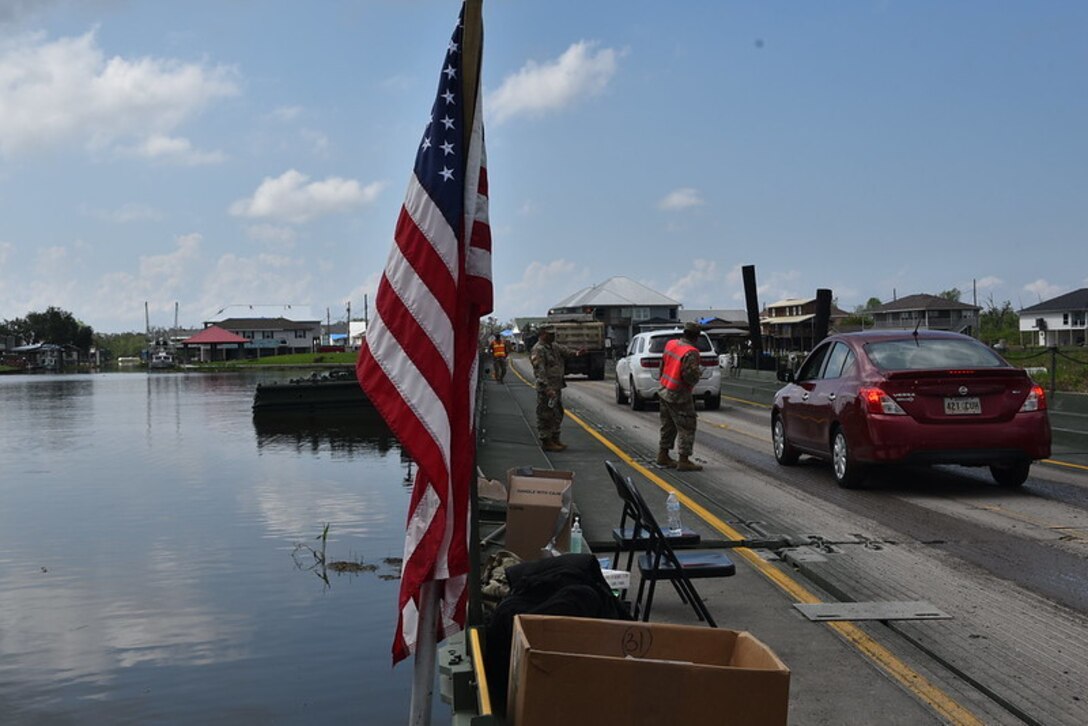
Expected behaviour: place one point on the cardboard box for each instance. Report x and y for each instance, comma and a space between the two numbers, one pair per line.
539, 503
579, 670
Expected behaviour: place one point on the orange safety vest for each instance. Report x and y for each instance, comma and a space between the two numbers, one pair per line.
675, 350
498, 350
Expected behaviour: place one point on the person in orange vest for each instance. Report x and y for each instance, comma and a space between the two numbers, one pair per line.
680, 371
498, 358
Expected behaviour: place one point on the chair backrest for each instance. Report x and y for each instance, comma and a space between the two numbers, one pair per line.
630, 503
644, 521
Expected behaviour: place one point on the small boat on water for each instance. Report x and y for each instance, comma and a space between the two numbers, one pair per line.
335, 390
161, 360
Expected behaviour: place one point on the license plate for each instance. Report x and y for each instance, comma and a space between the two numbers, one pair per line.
962, 406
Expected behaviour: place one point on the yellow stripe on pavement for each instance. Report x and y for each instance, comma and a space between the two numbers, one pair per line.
744, 400
909, 678
1071, 465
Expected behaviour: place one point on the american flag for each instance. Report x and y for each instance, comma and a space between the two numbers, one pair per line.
419, 362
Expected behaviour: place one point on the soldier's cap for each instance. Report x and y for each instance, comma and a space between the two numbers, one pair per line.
545, 328
691, 328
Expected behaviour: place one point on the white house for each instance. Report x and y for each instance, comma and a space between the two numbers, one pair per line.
1058, 321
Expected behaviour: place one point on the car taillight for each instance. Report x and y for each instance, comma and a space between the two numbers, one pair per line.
876, 401
650, 363
1036, 400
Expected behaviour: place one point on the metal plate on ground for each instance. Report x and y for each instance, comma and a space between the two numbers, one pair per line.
908, 610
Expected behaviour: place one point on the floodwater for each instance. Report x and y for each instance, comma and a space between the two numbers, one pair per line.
149, 569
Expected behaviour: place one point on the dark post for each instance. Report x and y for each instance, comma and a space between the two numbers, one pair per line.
1053, 370
823, 315
752, 301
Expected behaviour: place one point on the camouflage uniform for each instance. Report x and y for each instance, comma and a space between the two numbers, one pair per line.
549, 369
678, 408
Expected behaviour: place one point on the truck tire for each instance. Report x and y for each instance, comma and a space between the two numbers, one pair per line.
596, 368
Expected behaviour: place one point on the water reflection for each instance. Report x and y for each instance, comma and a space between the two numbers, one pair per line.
145, 555
338, 434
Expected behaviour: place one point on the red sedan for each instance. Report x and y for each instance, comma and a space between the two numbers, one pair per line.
922, 397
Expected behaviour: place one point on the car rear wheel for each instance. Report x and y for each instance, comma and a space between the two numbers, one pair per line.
621, 397
638, 403
712, 402
784, 453
1011, 475
848, 472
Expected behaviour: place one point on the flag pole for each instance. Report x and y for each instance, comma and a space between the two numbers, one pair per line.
427, 632
472, 46
424, 665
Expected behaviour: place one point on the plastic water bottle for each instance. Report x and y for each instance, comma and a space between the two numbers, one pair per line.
672, 506
576, 536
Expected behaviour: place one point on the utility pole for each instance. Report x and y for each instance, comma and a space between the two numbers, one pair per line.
366, 311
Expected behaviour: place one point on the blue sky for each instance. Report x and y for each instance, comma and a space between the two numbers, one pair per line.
245, 152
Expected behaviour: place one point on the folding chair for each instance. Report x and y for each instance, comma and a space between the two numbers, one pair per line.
660, 562
629, 536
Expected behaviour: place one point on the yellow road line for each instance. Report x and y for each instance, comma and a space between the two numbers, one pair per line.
744, 400
1071, 465
910, 679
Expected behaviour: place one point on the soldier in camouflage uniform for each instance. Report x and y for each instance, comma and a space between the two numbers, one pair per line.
681, 369
548, 359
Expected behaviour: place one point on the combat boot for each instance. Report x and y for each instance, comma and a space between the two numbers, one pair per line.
663, 459
558, 443
551, 445
686, 464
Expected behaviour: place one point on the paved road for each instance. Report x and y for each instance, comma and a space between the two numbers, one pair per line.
1010, 567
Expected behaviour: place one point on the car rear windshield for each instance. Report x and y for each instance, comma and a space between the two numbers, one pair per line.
658, 342
928, 353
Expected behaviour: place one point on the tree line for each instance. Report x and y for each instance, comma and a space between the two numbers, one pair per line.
55, 326
61, 327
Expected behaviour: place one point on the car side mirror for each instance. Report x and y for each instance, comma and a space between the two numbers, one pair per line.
785, 375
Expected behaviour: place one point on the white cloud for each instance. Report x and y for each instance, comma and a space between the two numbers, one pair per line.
273, 233
175, 150
682, 198
259, 279
68, 91
542, 285
290, 198
317, 141
159, 280
1043, 290
5, 250
538, 88
51, 260
362, 297
14, 11
700, 286
128, 212
770, 287
287, 113
989, 282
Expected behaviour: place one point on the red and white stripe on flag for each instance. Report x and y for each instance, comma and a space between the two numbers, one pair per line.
418, 364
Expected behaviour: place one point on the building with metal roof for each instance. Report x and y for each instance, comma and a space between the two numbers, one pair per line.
621, 304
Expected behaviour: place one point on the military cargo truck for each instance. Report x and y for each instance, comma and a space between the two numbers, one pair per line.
581, 332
